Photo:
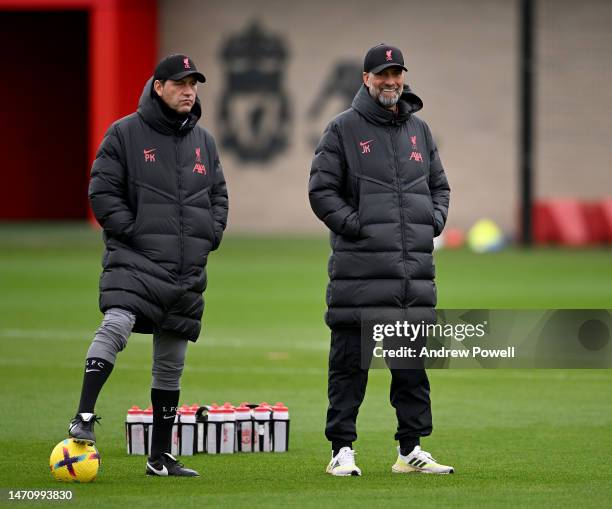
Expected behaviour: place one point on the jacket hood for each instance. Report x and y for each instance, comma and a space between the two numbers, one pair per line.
408, 104
163, 119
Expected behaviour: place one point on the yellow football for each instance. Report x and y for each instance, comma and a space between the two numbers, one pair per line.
74, 462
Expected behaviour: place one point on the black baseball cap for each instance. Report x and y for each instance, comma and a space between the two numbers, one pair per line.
176, 67
380, 57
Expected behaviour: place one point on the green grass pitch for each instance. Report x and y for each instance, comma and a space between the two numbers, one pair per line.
517, 438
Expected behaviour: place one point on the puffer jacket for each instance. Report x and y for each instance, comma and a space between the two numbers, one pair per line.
158, 191
378, 184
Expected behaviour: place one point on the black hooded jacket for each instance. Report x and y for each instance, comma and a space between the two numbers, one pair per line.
158, 191
378, 184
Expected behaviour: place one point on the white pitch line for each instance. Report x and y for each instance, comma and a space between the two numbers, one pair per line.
44, 334
259, 370
82, 335
72, 335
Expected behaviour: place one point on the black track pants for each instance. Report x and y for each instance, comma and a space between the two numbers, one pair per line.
346, 389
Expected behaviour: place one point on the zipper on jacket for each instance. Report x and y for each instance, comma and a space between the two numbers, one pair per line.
401, 207
179, 182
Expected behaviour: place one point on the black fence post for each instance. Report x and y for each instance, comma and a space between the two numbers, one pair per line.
526, 133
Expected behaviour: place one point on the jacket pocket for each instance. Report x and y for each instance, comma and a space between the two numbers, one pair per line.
137, 226
354, 191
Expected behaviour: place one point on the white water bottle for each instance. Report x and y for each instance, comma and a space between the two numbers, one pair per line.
175, 442
188, 432
244, 429
134, 431
280, 427
147, 421
261, 421
228, 430
201, 414
214, 424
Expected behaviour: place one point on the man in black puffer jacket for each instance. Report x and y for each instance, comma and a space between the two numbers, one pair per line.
378, 184
158, 191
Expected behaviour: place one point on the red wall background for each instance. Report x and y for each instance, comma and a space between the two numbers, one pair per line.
71, 68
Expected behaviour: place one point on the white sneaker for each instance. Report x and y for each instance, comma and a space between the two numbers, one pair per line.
343, 463
419, 461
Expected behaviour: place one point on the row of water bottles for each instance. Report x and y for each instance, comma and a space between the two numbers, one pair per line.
214, 429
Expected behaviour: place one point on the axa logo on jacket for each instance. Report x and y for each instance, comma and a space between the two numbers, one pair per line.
199, 168
416, 156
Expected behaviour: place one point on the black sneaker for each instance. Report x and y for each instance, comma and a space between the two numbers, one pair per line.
168, 465
81, 428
